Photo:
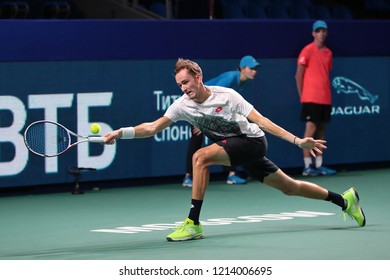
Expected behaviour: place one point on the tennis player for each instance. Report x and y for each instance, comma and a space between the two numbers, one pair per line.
237, 80
237, 130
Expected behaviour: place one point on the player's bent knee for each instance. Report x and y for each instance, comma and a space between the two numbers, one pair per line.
199, 159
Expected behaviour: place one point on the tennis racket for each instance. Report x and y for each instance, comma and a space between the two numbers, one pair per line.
50, 139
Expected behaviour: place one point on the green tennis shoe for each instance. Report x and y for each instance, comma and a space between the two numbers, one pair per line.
186, 231
353, 208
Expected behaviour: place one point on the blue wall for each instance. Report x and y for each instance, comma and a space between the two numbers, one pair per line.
119, 73
40, 40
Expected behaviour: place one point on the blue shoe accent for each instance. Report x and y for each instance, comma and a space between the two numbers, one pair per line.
311, 171
187, 182
326, 171
234, 179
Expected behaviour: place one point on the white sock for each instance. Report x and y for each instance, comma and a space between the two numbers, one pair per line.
318, 161
307, 161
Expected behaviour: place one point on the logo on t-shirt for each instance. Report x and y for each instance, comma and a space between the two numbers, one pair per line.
219, 109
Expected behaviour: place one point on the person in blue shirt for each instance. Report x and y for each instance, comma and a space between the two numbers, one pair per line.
237, 80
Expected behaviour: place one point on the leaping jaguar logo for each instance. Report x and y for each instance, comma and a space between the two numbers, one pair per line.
347, 86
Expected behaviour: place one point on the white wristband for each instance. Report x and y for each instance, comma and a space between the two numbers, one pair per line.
128, 132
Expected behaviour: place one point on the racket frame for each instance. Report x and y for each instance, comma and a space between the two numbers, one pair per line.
95, 139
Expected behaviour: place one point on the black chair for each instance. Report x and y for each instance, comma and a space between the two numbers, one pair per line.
341, 12
159, 9
55, 9
319, 11
299, 12
276, 11
255, 11
232, 9
14, 9
306, 3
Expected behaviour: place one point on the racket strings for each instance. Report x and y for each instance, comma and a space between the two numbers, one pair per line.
47, 138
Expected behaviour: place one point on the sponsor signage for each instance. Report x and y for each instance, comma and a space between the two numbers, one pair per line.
77, 95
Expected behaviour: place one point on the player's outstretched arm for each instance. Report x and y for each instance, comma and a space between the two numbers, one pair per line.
143, 130
307, 143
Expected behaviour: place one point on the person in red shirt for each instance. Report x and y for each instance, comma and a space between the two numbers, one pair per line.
313, 84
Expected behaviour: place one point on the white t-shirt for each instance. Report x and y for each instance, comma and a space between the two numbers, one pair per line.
221, 116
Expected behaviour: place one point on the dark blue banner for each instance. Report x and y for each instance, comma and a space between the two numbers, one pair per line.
123, 93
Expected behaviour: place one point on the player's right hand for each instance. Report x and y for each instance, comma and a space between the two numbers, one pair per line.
112, 136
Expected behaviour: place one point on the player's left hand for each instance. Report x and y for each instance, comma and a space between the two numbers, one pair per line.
314, 145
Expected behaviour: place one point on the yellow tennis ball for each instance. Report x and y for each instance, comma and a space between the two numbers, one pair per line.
95, 128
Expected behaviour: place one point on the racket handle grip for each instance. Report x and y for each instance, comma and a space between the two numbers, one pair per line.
96, 139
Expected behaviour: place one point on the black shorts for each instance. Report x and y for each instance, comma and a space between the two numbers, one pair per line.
250, 154
316, 113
